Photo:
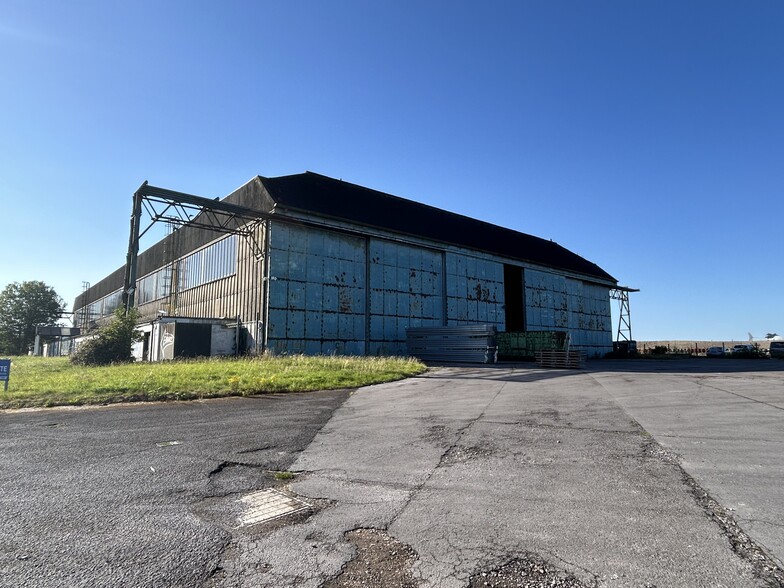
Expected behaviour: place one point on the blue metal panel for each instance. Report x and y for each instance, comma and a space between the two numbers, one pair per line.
316, 242
354, 348
376, 328
376, 301
329, 325
314, 296
358, 300
390, 328
295, 324
330, 299
277, 324
279, 264
345, 327
403, 257
279, 236
390, 303
296, 297
376, 250
388, 253
451, 264
278, 294
390, 278
402, 279
376, 279
331, 248
297, 241
331, 273
313, 325
473, 311
462, 310
315, 271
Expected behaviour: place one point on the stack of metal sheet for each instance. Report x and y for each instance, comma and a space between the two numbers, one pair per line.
465, 344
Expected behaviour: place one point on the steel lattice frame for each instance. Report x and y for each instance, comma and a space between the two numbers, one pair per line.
621, 294
180, 209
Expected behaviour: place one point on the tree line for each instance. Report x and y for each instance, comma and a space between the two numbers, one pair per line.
23, 307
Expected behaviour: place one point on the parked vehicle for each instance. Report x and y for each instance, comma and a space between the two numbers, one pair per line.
777, 349
714, 352
743, 349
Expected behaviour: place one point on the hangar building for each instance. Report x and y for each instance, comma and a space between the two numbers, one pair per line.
334, 267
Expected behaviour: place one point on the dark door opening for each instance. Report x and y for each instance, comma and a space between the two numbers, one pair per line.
192, 340
514, 298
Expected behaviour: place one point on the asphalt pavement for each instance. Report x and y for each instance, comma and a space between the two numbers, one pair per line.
638, 474
481, 470
124, 496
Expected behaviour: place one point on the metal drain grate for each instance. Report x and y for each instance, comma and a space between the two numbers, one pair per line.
266, 505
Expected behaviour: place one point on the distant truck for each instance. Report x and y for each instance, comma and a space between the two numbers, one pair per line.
777, 349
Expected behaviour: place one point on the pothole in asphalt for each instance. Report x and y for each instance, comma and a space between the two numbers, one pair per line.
437, 434
462, 454
529, 571
381, 562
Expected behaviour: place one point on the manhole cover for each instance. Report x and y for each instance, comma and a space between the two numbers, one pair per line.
266, 505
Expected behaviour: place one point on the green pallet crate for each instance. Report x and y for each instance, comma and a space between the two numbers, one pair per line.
525, 344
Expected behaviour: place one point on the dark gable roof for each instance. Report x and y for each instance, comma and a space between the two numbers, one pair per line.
314, 193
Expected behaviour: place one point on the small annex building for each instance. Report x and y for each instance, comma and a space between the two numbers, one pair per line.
339, 268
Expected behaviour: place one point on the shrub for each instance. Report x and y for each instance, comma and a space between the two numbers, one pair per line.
111, 344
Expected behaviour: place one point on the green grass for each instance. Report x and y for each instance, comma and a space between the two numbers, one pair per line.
53, 381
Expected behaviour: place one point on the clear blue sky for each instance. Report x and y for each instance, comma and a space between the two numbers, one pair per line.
647, 137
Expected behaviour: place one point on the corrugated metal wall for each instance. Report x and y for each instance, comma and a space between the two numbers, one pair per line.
239, 294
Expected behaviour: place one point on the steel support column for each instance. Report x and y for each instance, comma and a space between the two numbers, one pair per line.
621, 294
129, 283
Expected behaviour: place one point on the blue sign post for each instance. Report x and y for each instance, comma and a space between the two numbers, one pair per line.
5, 371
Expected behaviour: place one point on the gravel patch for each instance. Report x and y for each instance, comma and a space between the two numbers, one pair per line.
528, 571
381, 562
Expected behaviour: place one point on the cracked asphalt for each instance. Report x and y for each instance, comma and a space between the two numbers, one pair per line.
638, 474
135, 495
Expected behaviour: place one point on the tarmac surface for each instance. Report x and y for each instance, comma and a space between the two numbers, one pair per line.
639, 474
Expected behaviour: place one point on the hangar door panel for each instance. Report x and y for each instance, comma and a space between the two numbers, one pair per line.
316, 291
405, 291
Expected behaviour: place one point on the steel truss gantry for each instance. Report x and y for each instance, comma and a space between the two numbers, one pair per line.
180, 209
621, 294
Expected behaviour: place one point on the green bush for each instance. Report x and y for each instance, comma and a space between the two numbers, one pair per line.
111, 344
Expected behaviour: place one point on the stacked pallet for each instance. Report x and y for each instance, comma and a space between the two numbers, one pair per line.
466, 344
574, 360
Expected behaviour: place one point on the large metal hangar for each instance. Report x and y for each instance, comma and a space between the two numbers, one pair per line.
309, 264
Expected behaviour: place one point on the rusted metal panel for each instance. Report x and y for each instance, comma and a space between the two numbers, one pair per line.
316, 291
555, 302
405, 291
475, 290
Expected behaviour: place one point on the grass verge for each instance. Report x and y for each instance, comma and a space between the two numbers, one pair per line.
54, 381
